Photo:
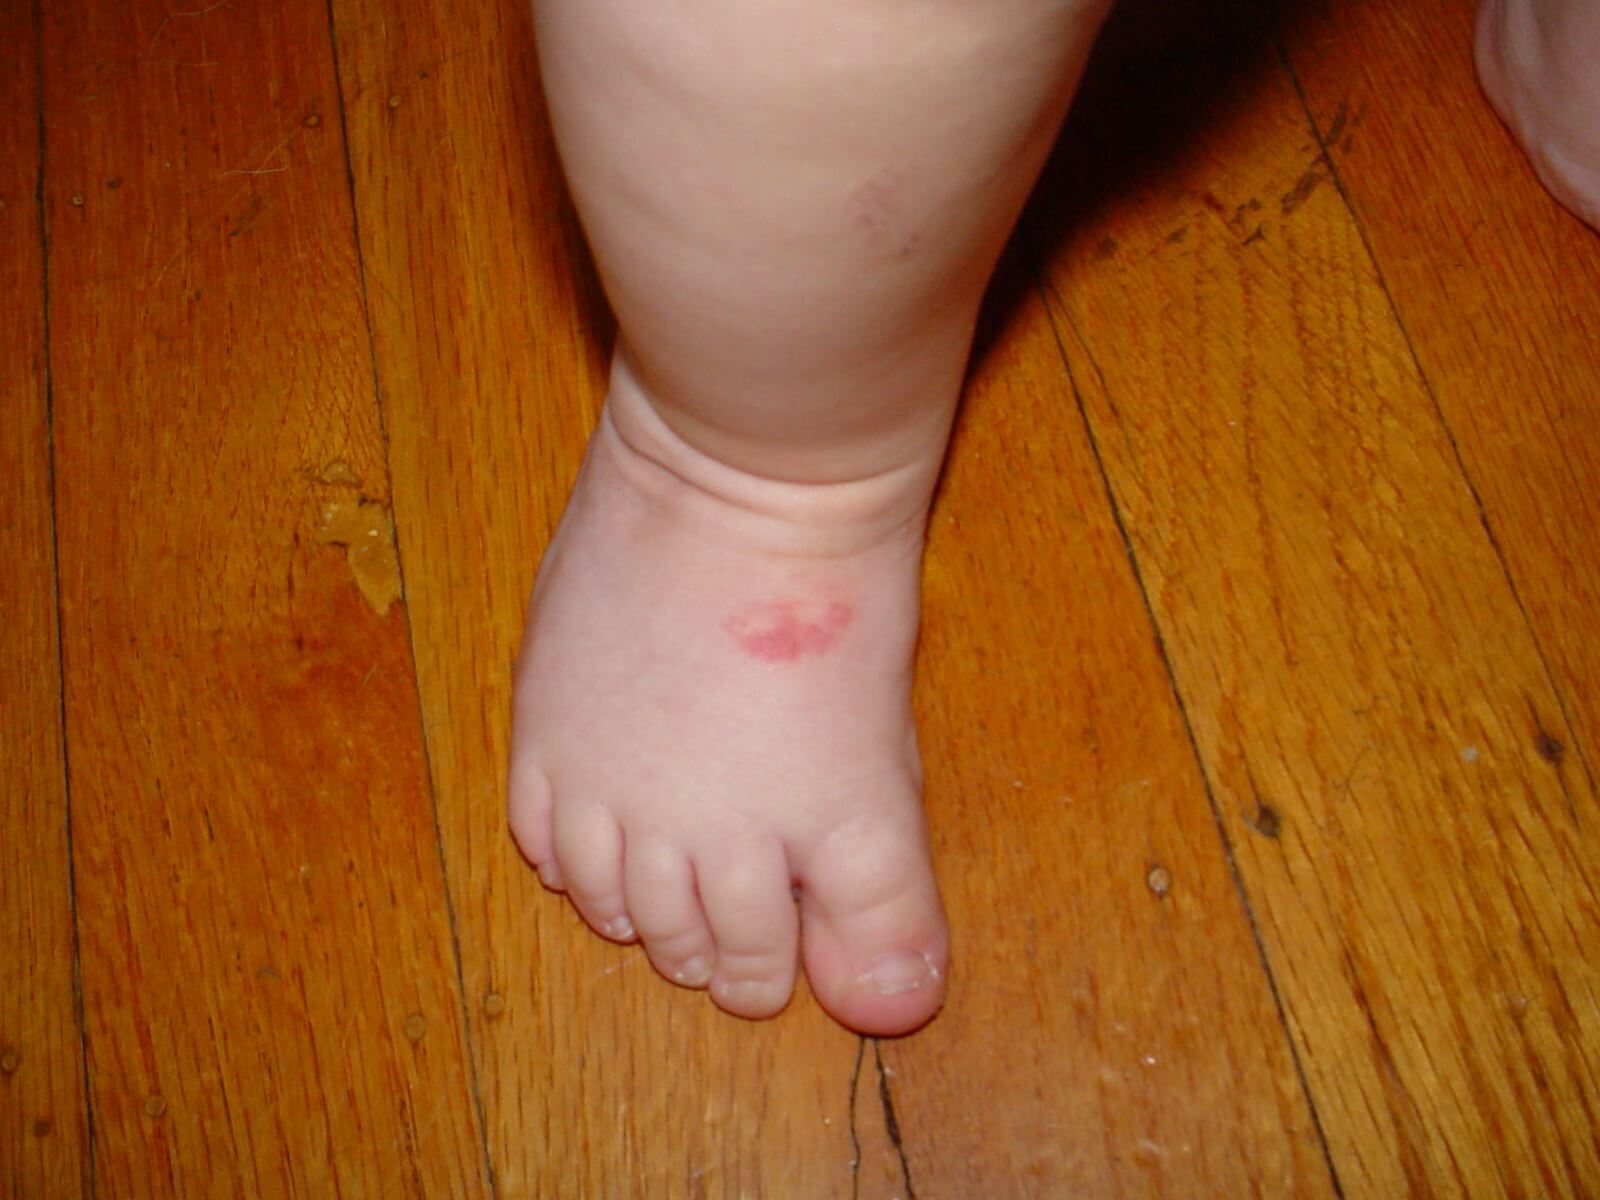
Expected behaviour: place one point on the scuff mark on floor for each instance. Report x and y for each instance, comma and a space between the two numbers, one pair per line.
1316, 175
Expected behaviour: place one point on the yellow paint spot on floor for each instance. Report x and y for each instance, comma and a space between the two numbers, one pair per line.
366, 532
338, 473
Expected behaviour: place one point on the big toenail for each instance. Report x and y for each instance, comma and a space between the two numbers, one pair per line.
619, 927
693, 973
741, 989
896, 972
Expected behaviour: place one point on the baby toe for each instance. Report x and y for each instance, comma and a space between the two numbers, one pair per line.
530, 809
750, 908
589, 850
659, 889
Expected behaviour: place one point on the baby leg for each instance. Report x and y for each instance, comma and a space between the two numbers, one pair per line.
795, 206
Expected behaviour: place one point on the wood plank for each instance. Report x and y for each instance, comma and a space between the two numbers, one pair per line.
1499, 289
1110, 1031
43, 1130
268, 978
490, 334
1366, 693
490, 339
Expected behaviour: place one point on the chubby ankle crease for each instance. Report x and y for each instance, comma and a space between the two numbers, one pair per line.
826, 520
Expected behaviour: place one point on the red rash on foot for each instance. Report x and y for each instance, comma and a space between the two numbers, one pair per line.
786, 630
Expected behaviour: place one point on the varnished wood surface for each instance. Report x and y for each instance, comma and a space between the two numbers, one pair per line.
43, 1116
270, 987
1386, 746
1258, 682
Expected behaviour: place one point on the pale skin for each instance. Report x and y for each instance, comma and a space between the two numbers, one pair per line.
795, 207
1539, 61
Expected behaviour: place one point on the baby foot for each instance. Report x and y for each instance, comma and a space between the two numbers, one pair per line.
1539, 63
713, 722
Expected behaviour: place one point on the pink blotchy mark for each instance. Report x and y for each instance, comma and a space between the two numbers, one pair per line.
785, 630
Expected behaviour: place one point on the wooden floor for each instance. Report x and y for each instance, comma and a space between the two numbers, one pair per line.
1260, 683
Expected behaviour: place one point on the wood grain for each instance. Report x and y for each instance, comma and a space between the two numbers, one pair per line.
1368, 697
268, 979
42, 1114
1111, 1031
1498, 290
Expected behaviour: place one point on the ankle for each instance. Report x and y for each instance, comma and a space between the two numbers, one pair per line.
887, 409
828, 518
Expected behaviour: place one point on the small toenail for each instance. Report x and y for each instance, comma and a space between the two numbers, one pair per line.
549, 876
896, 972
694, 973
619, 928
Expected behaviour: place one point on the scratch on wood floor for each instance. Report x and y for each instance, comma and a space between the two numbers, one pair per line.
198, 12
263, 169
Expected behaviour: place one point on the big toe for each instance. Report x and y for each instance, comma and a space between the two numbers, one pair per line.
873, 932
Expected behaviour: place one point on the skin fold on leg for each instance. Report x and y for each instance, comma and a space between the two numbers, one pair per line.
795, 208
